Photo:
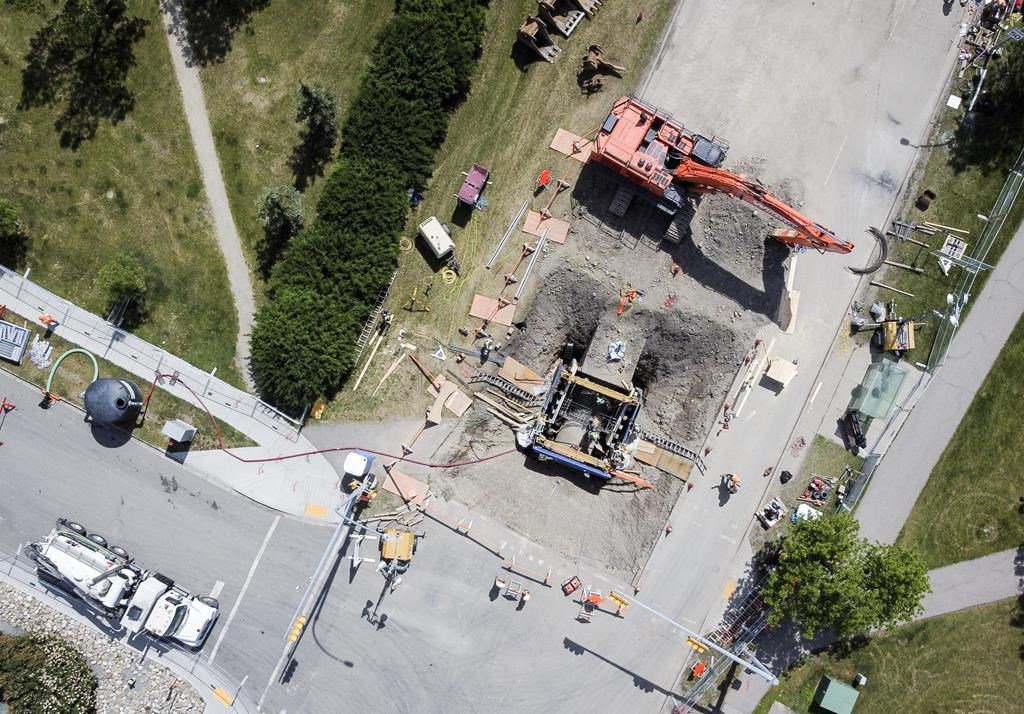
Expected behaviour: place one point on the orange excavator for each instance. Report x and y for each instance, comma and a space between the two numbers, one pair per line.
655, 152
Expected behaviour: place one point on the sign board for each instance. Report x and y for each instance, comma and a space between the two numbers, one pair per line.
13, 341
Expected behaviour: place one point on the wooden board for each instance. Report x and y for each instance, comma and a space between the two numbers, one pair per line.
558, 230
663, 460
674, 465
458, 403
483, 308
519, 373
562, 143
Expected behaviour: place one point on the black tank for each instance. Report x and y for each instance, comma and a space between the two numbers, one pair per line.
112, 401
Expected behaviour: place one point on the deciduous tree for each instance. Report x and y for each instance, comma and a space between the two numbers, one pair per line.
280, 210
828, 577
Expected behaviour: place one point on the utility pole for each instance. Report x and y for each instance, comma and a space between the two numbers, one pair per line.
312, 595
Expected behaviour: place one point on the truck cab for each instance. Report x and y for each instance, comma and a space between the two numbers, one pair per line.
166, 611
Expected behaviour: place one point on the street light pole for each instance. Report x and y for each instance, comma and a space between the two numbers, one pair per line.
316, 582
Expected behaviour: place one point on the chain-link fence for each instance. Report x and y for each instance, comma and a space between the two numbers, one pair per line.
136, 355
996, 218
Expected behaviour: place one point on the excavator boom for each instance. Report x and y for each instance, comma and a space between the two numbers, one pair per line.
650, 149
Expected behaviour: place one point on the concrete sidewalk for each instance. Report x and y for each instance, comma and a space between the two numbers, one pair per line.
905, 468
975, 582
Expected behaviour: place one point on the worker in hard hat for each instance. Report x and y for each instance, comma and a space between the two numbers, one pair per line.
733, 483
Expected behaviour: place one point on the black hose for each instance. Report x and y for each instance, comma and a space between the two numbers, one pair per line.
883, 253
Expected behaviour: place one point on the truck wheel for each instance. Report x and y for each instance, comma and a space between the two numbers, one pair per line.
118, 550
211, 601
76, 527
98, 539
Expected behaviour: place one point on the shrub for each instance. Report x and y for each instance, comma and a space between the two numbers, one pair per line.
124, 278
14, 238
301, 342
328, 279
280, 210
45, 673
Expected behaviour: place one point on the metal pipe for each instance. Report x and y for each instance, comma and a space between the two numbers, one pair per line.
508, 233
757, 668
529, 266
319, 577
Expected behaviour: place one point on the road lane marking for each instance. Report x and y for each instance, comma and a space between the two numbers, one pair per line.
813, 395
723, 536
245, 586
835, 161
218, 587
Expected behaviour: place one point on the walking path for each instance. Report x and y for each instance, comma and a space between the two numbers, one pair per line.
239, 280
905, 468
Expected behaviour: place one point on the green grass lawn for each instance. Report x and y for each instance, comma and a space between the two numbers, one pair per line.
969, 507
135, 187
506, 124
75, 374
824, 458
968, 661
252, 95
962, 193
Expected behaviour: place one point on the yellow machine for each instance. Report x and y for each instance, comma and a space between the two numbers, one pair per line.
397, 547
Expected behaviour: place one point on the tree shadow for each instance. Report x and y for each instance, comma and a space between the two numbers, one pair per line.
204, 28
80, 59
990, 136
310, 157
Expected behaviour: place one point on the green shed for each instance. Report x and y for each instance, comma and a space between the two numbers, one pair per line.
835, 696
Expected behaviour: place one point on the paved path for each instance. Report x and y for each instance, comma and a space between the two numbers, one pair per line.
187, 75
975, 582
906, 466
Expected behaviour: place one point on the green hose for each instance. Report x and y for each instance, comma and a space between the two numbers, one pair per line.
87, 353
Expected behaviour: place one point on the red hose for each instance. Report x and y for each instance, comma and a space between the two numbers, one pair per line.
220, 440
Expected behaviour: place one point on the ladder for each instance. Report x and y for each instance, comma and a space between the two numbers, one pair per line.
678, 449
528, 400
620, 204
371, 321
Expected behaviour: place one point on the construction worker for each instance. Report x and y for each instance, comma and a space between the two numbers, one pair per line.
526, 596
593, 434
387, 317
733, 483
488, 345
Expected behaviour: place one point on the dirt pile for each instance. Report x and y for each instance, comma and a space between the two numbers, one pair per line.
697, 307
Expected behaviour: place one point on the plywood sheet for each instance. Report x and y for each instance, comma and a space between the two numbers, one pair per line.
458, 402
519, 373
405, 487
484, 308
563, 141
558, 230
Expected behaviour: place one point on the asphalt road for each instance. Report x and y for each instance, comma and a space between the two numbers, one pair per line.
821, 94
52, 465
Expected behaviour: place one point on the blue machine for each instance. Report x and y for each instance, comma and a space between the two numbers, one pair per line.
587, 422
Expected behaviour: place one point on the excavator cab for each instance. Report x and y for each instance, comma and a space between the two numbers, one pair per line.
708, 152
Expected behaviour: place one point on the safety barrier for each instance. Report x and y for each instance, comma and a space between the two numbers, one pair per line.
124, 349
